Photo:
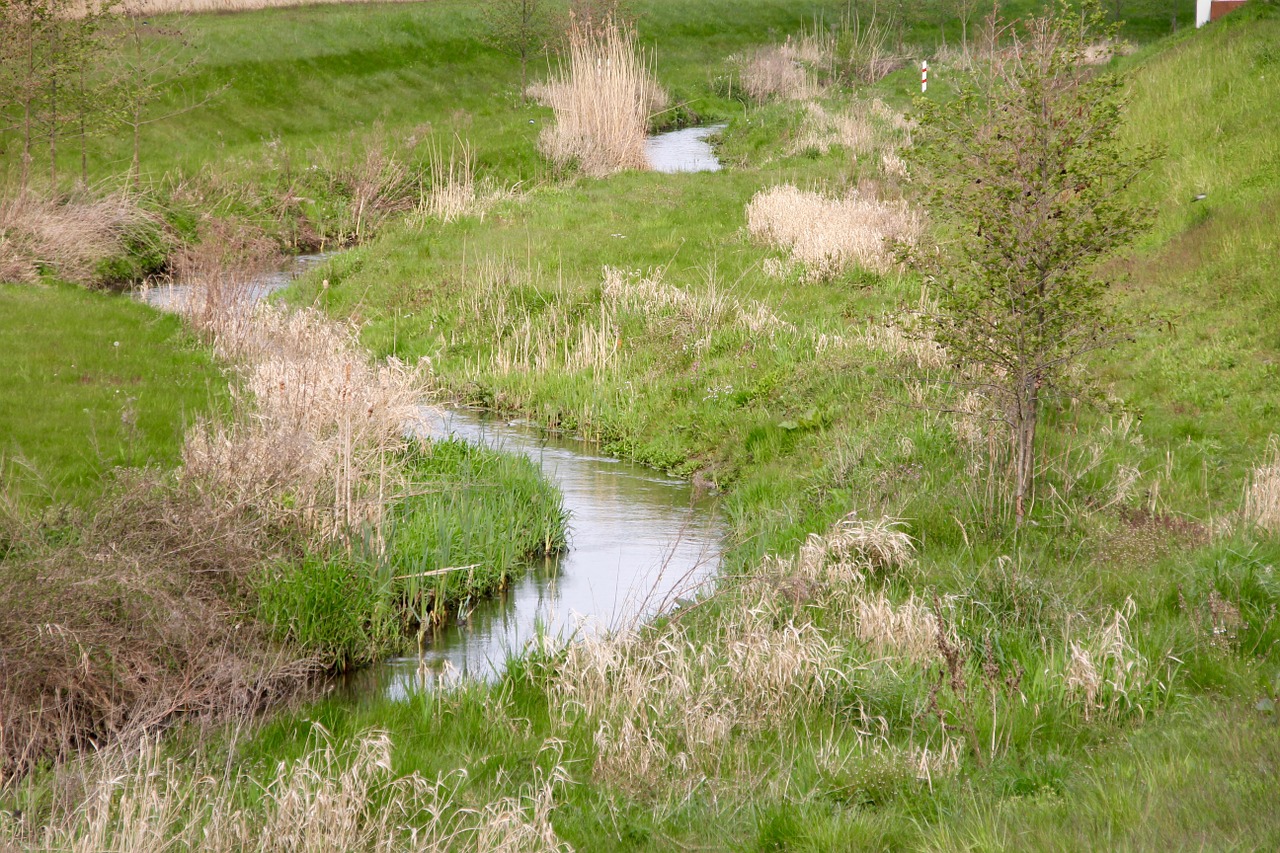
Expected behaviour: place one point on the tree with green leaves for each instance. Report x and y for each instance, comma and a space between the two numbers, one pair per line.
520, 28
1025, 174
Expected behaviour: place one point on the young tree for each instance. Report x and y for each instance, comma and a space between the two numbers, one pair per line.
1026, 175
151, 63
520, 28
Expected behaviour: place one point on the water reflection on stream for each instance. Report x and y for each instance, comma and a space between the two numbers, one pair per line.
684, 150
637, 540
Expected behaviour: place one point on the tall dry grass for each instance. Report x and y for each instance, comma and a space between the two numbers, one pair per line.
68, 238
334, 797
827, 235
602, 96
1262, 495
665, 702
775, 72
142, 8
308, 445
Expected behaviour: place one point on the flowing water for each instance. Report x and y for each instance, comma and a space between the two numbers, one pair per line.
683, 150
638, 540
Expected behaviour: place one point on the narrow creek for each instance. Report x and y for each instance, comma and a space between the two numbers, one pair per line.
638, 540
684, 150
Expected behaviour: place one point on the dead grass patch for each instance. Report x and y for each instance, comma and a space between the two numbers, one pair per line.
775, 72
334, 797
1262, 495
70, 239
831, 235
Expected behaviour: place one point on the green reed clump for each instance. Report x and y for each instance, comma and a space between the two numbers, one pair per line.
474, 518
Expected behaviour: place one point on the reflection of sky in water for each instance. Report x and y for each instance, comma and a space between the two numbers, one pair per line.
683, 150
637, 542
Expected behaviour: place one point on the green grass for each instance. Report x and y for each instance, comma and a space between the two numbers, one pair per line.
487, 512
89, 382
799, 435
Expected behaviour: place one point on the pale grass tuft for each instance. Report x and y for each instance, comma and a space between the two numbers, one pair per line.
914, 347
667, 702
312, 439
334, 797
821, 130
907, 630
1104, 668
602, 99
560, 337
775, 72
1262, 497
69, 238
879, 545
829, 236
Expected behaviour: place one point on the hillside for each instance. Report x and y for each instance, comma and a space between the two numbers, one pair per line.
885, 661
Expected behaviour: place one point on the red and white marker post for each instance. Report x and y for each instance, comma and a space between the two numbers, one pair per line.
924, 76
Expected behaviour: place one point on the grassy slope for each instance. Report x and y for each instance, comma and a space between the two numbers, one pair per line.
1203, 384
1206, 380
90, 381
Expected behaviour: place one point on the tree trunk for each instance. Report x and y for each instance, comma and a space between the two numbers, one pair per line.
1024, 446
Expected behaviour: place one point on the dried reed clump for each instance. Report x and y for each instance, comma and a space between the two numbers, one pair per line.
666, 703
912, 346
775, 72
310, 445
602, 99
70, 239
1262, 496
829, 236
334, 797
455, 191
822, 129
1105, 670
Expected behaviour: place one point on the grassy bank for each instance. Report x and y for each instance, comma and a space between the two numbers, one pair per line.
80, 397
887, 662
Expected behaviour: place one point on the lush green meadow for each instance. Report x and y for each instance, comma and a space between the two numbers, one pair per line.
79, 397
1106, 676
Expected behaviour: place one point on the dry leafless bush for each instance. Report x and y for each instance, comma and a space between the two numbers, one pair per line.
137, 623
70, 238
602, 98
334, 797
829, 236
1262, 497
775, 72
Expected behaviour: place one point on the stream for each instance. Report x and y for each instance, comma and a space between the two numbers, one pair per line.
638, 540
684, 150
